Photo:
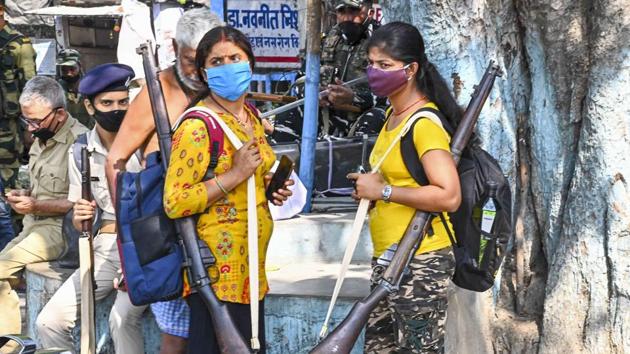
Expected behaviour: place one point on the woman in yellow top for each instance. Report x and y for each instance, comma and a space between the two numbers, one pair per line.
412, 320
225, 62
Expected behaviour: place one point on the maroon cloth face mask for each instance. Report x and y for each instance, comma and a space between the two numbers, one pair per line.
385, 82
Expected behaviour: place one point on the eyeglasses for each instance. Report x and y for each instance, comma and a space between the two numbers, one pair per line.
36, 123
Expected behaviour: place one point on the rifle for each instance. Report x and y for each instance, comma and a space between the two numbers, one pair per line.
86, 264
229, 339
322, 94
268, 97
342, 339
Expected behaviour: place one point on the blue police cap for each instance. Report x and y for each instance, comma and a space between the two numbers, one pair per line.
106, 78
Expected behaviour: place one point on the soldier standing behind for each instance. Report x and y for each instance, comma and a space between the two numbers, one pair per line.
17, 65
344, 58
69, 73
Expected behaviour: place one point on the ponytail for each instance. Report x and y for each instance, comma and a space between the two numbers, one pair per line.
432, 84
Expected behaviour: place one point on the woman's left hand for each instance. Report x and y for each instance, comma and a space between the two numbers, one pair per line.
282, 194
367, 185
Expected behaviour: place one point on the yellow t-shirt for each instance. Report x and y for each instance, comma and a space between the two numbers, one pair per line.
222, 225
388, 221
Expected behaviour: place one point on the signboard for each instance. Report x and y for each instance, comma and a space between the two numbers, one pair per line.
272, 29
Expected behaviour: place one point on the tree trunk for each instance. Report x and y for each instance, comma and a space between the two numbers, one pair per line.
559, 123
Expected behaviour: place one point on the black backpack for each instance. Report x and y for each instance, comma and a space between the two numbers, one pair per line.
477, 168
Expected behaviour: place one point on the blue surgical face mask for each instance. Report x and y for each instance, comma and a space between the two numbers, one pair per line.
230, 81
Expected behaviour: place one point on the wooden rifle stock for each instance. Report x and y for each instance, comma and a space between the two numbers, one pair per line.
86, 264
268, 97
228, 337
342, 339
301, 101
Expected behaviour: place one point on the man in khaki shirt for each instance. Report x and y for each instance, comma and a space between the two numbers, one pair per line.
43, 111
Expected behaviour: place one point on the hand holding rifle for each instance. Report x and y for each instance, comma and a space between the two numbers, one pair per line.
84, 210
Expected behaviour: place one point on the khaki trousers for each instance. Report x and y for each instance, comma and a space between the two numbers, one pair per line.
59, 316
39, 241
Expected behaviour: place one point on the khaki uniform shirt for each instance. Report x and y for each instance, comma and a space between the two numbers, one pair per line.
48, 166
100, 190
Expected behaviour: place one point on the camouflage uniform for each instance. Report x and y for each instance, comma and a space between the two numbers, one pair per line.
412, 320
345, 62
74, 105
17, 60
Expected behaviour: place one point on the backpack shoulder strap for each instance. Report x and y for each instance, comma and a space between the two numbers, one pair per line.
215, 134
408, 148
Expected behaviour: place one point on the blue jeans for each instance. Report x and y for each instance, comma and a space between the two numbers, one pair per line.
7, 232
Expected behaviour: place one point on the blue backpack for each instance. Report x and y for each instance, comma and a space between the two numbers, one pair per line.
150, 252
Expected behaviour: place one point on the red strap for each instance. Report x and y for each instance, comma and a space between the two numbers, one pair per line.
215, 134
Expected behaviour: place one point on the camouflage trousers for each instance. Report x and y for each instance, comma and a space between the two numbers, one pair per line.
10, 149
412, 320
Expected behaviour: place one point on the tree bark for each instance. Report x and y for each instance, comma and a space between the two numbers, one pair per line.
559, 123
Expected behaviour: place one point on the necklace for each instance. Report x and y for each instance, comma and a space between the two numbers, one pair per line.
411, 105
245, 125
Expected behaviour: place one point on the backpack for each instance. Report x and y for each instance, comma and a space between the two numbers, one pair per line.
150, 251
476, 169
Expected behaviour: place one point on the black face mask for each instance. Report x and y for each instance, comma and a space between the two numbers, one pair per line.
352, 32
111, 120
43, 134
70, 79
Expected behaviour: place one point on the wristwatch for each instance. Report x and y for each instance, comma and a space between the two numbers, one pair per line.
387, 193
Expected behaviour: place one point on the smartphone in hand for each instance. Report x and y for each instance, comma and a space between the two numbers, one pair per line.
283, 172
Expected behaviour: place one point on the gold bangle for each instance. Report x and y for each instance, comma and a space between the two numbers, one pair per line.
216, 179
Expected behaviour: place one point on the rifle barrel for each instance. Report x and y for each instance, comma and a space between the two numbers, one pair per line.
86, 188
86, 264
